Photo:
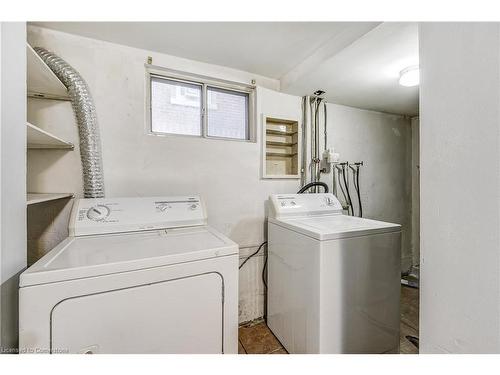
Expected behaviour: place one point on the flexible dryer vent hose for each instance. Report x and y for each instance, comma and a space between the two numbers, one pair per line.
88, 129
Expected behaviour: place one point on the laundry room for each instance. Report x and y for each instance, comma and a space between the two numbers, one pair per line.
243, 187
140, 158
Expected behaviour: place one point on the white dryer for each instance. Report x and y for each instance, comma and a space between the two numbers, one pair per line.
333, 280
136, 275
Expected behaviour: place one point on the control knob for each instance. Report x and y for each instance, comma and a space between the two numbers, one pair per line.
98, 212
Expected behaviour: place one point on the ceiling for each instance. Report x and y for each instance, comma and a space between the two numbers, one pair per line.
365, 74
356, 63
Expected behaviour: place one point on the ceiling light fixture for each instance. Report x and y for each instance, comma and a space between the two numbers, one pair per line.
410, 76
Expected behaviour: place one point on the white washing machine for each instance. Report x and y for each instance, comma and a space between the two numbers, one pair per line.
333, 280
136, 275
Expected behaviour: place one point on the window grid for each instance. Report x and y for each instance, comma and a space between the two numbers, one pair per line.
247, 92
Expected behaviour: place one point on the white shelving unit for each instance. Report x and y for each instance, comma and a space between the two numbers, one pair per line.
41, 139
34, 198
42, 82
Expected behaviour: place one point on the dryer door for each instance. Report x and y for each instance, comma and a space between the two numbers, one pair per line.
176, 316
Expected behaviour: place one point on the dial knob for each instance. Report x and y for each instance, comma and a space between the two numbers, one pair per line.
98, 212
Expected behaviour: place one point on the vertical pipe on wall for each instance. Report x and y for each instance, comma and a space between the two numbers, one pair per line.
304, 172
313, 140
325, 126
311, 115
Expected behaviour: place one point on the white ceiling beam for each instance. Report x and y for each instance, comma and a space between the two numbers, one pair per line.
329, 49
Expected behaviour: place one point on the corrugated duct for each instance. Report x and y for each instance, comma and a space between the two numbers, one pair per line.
88, 129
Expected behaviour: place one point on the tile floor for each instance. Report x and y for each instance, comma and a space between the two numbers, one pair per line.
256, 338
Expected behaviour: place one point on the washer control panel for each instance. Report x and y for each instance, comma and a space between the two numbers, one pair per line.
290, 205
99, 212
118, 215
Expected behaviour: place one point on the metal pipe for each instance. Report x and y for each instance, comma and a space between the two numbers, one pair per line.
304, 172
325, 128
86, 117
317, 159
313, 140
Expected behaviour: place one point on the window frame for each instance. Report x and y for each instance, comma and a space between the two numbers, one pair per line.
204, 82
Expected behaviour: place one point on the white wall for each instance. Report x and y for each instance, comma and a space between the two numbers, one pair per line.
12, 175
225, 173
415, 191
383, 143
459, 175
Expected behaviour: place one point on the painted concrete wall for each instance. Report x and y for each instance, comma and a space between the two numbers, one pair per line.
12, 175
415, 191
383, 143
460, 170
225, 173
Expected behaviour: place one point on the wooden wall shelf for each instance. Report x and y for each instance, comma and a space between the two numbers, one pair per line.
281, 147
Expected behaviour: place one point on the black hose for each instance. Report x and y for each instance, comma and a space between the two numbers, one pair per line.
250, 256
264, 277
343, 191
347, 190
264, 271
311, 184
354, 174
359, 194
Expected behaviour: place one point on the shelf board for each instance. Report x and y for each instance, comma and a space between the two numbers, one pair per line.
34, 198
280, 144
42, 82
279, 132
40, 139
277, 154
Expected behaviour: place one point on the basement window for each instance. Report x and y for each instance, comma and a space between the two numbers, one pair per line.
193, 105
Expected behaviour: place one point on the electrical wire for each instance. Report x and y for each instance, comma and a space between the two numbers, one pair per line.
264, 270
264, 281
252, 255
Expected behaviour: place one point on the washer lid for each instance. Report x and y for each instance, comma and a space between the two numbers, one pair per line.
335, 226
81, 257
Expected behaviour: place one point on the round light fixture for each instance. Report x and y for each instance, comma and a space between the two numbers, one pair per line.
409, 76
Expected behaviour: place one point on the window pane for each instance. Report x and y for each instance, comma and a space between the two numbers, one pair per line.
227, 113
175, 107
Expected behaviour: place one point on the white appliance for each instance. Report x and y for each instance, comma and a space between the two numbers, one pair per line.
333, 280
136, 275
